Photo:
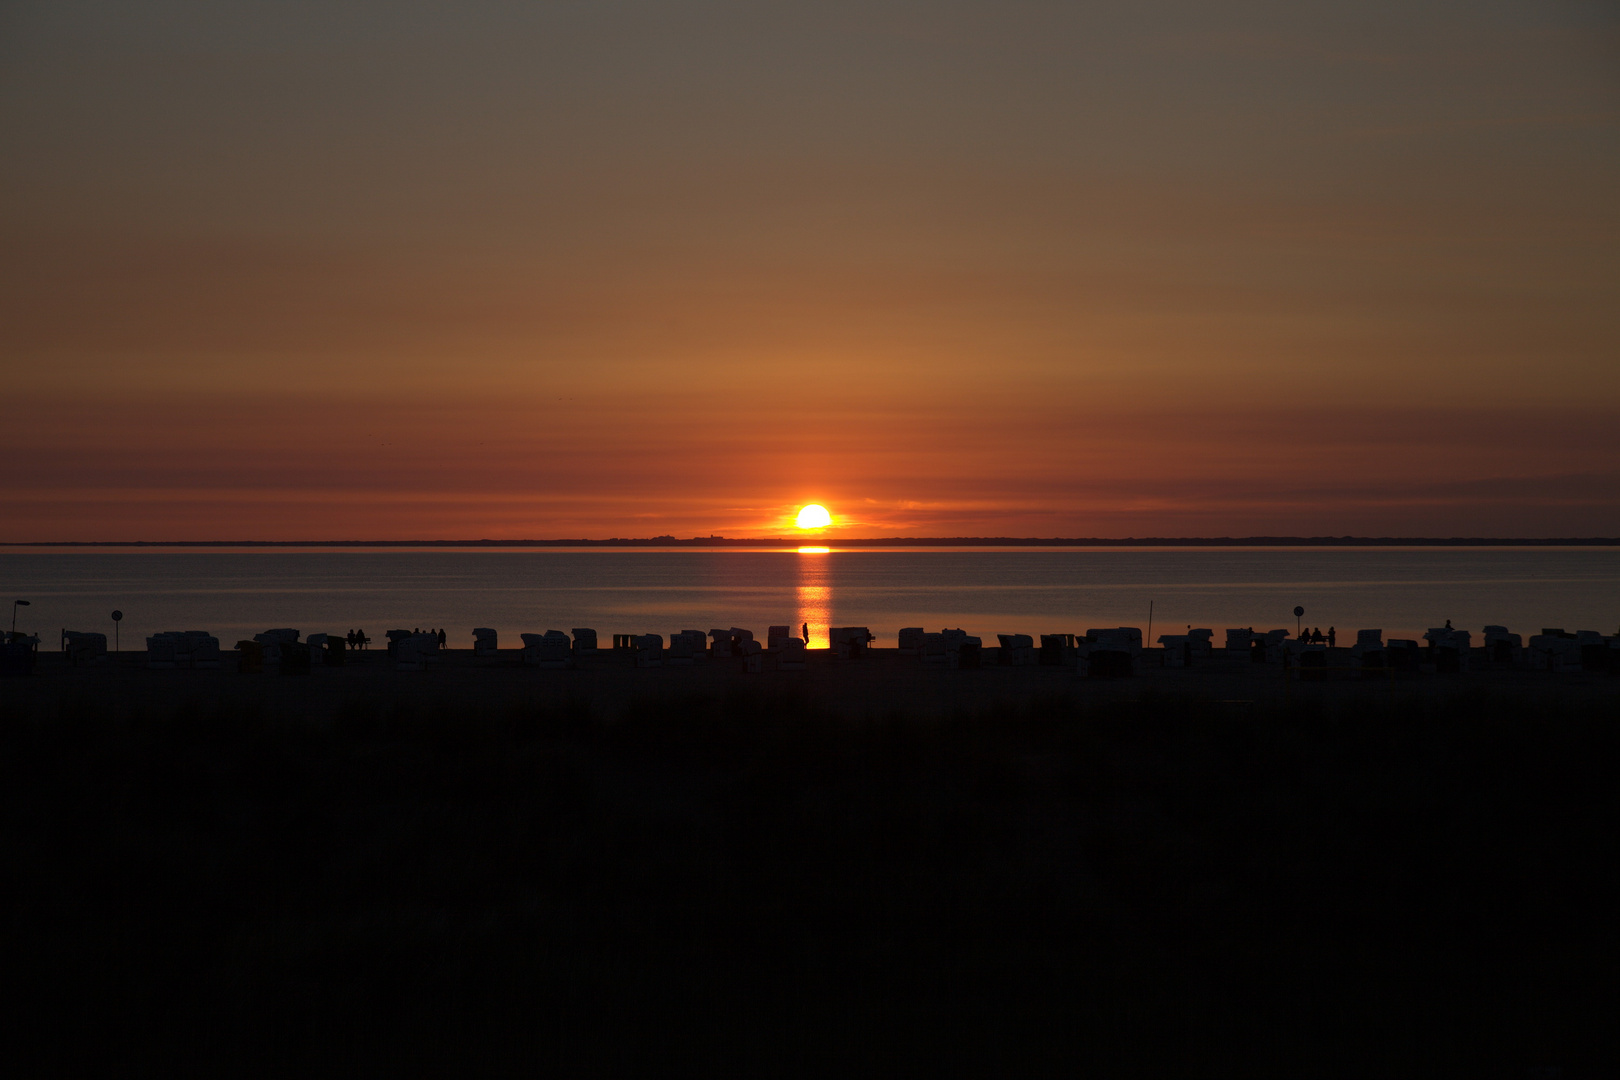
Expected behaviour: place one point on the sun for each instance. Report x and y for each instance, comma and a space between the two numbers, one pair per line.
814, 516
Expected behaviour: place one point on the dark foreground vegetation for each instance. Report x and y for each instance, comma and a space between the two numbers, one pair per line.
1162, 887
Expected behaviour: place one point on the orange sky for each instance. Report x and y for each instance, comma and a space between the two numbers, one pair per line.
506, 270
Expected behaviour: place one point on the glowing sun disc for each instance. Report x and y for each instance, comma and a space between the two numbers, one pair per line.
814, 517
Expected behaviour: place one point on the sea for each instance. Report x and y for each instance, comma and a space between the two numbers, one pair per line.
235, 593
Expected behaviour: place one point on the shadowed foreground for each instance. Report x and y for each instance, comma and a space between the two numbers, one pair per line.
1155, 887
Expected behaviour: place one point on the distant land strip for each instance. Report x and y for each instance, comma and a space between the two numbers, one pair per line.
884, 541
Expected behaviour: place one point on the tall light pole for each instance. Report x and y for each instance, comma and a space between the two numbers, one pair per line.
15, 604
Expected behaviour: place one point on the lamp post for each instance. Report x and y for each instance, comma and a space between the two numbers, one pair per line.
117, 617
15, 604
1298, 611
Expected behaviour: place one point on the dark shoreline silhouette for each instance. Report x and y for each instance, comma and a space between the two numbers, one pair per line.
1162, 885
882, 541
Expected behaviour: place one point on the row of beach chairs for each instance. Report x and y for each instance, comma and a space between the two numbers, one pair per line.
1112, 648
281, 651
554, 649
1449, 650
1099, 651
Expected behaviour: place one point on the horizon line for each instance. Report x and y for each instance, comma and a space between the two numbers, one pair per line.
887, 541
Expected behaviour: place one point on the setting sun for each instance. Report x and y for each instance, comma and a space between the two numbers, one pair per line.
814, 517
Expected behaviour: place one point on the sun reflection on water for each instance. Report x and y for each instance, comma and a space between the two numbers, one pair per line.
814, 596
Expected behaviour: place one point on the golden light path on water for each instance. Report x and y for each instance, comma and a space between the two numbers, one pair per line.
814, 596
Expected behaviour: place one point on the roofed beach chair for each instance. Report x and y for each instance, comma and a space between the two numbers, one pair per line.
1176, 648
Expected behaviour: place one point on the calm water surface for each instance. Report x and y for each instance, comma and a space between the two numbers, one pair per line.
237, 593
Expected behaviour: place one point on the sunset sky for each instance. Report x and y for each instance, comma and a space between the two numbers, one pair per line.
289, 270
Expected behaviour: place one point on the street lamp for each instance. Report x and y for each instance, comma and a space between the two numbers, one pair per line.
15, 604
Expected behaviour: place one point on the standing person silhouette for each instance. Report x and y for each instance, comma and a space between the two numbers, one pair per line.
1333, 638
443, 637
805, 630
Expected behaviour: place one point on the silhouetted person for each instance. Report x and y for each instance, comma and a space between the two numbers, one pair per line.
442, 637
1332, 637
805, 630
1448, 624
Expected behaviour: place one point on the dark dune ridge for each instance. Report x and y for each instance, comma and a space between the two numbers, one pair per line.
634, 871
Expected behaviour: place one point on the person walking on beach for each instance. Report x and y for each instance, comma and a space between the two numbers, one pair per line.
443, 637
1332, 638
805, 630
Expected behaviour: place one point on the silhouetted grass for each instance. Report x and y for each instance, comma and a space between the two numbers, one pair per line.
1159, 887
